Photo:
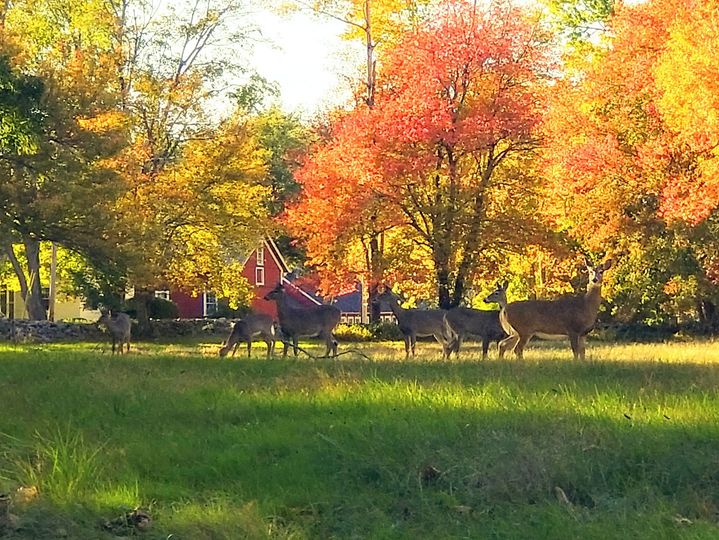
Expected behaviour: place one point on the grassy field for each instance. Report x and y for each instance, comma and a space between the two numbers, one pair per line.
623, 446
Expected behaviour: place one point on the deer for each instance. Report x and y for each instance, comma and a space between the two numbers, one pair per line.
118, 326
573, 316
255, 324
296, 322
464, 321
414, 323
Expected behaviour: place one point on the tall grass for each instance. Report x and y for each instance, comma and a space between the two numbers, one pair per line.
61, 465
623, 446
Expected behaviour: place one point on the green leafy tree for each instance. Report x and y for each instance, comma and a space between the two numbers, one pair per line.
195, 195
59, 134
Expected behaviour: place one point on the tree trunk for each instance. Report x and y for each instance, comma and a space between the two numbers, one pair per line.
375, 310
375, 273
30, 287
33, 298
143, 297
443, 294
707, 312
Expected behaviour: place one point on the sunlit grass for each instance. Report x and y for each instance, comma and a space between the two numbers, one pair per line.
303, 448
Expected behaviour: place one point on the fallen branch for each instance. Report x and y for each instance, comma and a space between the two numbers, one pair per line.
314, 357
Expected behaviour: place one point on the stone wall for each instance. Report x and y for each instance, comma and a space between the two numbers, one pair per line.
45, 331
22, 331
162, 328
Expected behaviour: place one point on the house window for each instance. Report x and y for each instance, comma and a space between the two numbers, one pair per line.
165, 295
259, 276
209, 304
260, 256
45, 293
7, 302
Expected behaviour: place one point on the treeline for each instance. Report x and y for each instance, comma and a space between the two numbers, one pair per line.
134, 137
496, 141
484, 141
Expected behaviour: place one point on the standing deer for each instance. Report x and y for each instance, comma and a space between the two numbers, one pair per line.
119, 328
463, 322
255, 324
297, 322
572, 316
414, 323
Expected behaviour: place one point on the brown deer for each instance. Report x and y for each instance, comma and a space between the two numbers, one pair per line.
414, 323
297, 322
255, 324
118, 326
572, 316
464, 322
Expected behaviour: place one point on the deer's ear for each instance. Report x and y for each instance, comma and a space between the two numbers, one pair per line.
607, 264
381, 288
505, 285
587, 262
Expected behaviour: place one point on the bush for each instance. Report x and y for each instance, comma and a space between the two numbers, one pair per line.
385, 331
158, 308
224, 311
353, 332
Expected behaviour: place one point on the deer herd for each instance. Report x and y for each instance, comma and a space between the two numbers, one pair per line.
512, 326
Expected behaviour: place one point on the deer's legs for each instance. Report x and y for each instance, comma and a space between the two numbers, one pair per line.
407, 341
582, 347
413, 344
485, 347
327, 338
519, 347
286, 343
270, 344
270, 341
249, 348
329, 343
295, 344
457, 344
578, 346
446, 345
507, 344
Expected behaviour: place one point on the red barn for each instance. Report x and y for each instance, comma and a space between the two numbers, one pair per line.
264, 268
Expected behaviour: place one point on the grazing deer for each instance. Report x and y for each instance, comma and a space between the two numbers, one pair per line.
572, 316
463, 322
414, 323
297, 322
255, 324
119, 327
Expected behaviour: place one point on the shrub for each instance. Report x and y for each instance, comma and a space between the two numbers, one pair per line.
385, 331
224, 311
353, 332
158, 308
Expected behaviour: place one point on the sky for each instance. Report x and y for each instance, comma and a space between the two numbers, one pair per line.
306, 56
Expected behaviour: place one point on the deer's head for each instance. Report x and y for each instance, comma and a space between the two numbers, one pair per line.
596, 273
104, 316
499, 295
384, 293
275, 293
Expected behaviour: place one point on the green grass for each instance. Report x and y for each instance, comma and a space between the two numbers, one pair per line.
623, 446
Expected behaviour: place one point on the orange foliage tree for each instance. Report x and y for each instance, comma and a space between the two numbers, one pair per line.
452, 128
630, 151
